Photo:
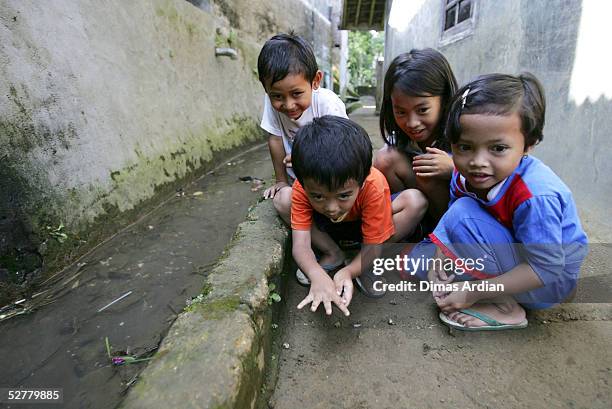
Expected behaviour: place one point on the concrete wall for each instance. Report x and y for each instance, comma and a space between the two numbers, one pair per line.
562, 44
108, 103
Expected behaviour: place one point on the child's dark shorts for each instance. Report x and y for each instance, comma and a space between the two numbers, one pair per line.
344, 231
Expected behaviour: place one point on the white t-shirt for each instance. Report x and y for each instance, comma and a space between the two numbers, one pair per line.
324, 102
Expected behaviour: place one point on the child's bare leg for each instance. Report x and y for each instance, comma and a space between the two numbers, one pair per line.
503, 309
437, 192
282, 204
331, 253
408, 210
396, 168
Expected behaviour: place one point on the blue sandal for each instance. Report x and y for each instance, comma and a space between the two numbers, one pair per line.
492, 324
365, 284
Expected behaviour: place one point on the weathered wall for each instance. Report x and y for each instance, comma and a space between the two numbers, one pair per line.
109, 102
540, 37
309, 18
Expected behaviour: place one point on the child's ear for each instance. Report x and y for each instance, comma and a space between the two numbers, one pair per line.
317, 79
528, 149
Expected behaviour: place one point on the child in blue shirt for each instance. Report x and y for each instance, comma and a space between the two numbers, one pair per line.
508, 210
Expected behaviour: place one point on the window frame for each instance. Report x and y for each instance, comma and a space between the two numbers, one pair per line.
460, 30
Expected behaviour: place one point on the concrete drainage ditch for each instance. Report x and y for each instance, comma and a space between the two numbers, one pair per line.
214, 355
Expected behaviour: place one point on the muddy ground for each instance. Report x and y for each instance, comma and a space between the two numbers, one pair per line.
394, 353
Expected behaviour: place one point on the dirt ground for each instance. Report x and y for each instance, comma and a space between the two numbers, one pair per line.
395, 353
163, 260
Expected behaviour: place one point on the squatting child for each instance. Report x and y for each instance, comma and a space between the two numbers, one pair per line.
508, 209
339, 192
289, 73
417, 90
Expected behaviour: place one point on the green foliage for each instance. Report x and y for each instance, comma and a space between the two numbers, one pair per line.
365, 47
57, 233
274, 296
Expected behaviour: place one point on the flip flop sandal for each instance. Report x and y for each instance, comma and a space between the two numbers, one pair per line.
303, 280
365, 284
492, 324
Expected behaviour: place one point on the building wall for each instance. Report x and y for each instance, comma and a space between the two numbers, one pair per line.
547, 39
110, 102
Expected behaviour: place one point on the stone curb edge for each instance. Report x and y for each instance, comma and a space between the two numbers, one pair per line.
214, 355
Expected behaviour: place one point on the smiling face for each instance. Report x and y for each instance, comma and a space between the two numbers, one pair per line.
293, 94
418, 117
489, 149
335, 204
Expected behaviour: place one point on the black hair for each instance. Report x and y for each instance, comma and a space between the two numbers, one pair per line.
330, 151
417, 73
285, 54
501, 94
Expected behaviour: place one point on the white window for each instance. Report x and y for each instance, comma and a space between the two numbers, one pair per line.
458, 20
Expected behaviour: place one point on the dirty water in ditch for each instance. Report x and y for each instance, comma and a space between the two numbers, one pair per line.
160, 262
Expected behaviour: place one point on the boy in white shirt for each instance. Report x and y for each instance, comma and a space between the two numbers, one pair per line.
289, 73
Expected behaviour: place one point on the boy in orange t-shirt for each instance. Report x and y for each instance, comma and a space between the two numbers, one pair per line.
337, 190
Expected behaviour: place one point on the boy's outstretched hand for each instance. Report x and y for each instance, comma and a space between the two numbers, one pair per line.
344, 285
323, 290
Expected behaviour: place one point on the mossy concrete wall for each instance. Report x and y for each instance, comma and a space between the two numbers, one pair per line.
108, 104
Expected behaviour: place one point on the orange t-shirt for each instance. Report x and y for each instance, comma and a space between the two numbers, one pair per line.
372, 206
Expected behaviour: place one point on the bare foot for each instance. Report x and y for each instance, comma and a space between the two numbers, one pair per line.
508, 312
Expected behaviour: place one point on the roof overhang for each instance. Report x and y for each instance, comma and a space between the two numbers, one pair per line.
363, 15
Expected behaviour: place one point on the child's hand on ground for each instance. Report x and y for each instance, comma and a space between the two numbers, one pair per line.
344, 285
434, 163
323, 290
287, 161
270, 192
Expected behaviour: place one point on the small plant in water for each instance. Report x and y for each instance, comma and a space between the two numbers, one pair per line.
57, 233
274, 296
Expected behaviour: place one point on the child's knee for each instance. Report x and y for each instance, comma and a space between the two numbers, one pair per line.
412, 201
282, 201
562, 290
384, 160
